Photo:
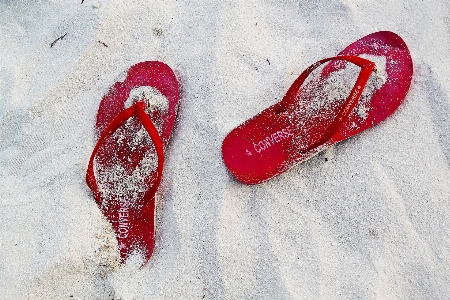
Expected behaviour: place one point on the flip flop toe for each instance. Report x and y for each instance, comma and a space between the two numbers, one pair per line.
355, 90
134, 123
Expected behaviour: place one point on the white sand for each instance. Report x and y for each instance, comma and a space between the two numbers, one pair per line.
366, 219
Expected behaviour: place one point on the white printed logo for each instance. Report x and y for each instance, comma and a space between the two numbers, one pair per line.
124, 225
273, 139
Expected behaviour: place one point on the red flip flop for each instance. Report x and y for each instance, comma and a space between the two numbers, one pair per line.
357, 89
134, 123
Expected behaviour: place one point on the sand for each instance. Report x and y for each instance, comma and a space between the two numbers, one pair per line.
366, 219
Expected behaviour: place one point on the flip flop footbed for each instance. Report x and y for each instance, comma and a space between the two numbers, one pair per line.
281, 136
125, 165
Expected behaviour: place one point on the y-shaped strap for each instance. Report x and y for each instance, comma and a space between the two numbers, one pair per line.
138, 111
366, 70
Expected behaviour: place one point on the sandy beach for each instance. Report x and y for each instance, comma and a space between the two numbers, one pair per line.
368, 218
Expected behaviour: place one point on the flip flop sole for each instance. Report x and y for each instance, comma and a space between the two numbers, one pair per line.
126, 166
275, 140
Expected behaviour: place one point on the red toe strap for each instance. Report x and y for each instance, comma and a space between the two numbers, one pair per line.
366, 70
138, 111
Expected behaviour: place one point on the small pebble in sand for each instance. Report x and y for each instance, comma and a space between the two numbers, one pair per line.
373, 232
96, 4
